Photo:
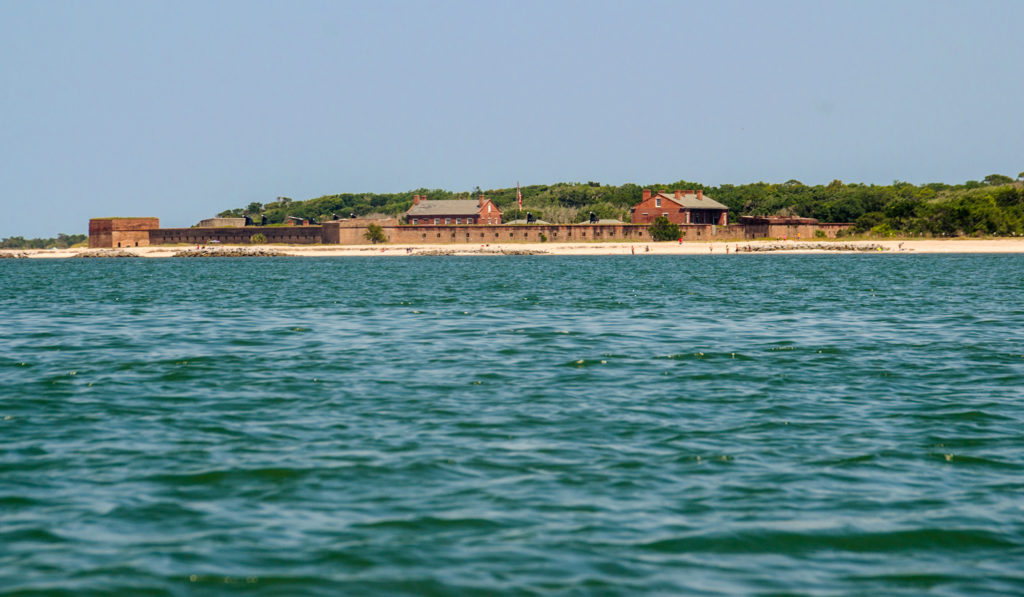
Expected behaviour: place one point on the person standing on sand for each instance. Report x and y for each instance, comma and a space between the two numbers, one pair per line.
632, 250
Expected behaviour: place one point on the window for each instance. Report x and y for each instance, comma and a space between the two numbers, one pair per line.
458, 220
415, 221
437, 221
469, 220
657, 202
447, 220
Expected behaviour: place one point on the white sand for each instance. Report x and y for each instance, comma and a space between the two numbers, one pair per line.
1002, 245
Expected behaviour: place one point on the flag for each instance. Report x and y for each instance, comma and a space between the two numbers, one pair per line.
519, 196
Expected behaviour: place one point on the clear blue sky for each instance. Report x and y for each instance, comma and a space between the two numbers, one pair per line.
182, 109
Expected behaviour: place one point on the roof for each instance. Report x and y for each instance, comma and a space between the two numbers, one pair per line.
690, 201
446, 207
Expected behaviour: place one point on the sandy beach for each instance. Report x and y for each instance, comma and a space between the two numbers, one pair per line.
760, 247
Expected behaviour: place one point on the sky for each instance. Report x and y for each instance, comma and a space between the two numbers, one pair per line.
181, 109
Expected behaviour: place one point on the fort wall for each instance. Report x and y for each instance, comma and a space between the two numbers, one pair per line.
292, 235
140, 232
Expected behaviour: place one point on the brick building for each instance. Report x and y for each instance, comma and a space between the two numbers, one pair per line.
680, 207
452, 211
121, 232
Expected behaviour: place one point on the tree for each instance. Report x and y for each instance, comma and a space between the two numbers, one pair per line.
375, 234
661, 229
997, 179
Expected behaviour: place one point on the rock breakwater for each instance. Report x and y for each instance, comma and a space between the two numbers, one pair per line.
230, 252
105, 254
431, 252
849, 247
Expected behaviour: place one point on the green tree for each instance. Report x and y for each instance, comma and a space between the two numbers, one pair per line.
868, 221
375, 234
661, 229
996, 179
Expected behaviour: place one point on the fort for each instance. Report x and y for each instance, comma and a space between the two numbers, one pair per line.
441, 222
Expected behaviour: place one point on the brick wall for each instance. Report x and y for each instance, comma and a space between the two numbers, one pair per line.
105, 233
140, 232
293, 235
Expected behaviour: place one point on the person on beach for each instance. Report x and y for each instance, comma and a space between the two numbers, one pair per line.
632, 250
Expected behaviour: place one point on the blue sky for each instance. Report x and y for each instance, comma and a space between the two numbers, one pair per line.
182, 109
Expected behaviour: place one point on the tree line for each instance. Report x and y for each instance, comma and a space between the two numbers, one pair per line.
991, 206
63, 241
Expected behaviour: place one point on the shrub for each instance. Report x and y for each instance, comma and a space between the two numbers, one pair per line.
375, 234
661, 229
258, 239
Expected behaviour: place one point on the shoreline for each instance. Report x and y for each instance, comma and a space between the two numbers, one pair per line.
758, 247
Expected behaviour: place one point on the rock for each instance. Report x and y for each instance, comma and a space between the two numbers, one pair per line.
844, 247
116, 253
230, 252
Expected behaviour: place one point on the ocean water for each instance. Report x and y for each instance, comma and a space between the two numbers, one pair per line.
708, 425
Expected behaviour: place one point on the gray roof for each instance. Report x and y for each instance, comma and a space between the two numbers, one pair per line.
690, 200
446, 207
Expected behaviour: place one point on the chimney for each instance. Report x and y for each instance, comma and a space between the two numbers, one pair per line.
647, 194
415, 199
679, 194
483, 200
700, 194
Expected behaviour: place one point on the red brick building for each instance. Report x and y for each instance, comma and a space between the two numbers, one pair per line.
680, 207
121, 232
452, 211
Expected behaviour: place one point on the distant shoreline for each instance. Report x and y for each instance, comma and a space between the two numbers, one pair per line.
921, 246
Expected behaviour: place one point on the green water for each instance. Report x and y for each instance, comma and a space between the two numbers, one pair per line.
752, 424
